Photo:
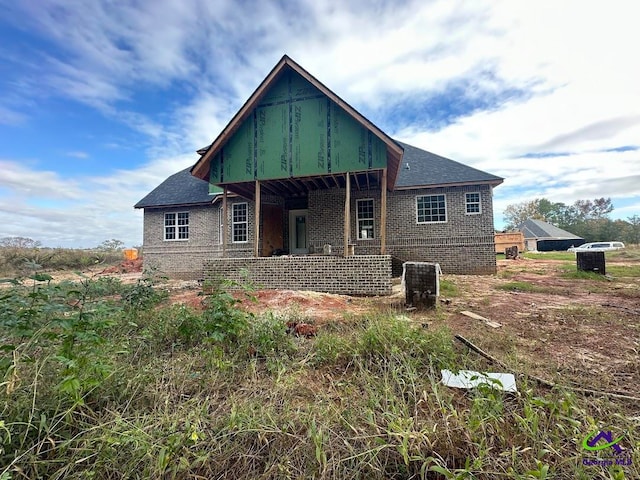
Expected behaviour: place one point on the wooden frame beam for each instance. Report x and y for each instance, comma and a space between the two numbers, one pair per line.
225, 216
383, 213
269, 188
347, 215
256, 245
355, 176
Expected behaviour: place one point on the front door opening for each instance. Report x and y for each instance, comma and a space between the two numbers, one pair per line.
298, 243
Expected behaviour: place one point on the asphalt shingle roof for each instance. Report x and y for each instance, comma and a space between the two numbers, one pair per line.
542, 230
181, 188
420, 167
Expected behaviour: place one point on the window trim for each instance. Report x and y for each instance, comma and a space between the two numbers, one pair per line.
175, 226
234, 223
446, 208
467, 203
221, 231
373, 218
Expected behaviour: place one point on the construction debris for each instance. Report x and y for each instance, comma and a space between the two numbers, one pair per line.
471, 379
475, 316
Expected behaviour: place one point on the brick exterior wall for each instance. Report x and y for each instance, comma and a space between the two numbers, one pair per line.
356, 275
179, 258
464, 244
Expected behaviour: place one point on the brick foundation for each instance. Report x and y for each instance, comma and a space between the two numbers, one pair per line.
356, 275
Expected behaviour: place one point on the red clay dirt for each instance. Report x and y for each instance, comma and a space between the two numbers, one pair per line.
127, 266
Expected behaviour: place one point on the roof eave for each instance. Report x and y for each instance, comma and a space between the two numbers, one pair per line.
493, 183
173, 205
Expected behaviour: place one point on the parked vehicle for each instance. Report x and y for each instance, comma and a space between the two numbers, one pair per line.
597, 247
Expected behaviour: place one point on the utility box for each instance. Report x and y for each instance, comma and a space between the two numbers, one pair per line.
591, 262
421, 284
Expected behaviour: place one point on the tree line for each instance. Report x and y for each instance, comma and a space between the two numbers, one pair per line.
588, 219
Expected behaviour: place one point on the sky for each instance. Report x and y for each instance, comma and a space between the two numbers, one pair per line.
101, 101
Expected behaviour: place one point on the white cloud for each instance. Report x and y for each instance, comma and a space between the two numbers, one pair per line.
11, 117
81, 211
572, 65
78, 154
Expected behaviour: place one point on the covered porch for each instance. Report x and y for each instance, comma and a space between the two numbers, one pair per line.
326, 214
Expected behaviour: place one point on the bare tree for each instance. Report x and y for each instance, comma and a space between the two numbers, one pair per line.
19, 242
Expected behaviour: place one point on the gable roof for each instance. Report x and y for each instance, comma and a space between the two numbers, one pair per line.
422, 168
532, 228
181, 188
394, 150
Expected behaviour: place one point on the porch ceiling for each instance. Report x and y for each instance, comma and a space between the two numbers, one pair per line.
301, 186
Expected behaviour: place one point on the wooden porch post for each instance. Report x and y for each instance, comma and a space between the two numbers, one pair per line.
347, 215
256, 245
383, 213
225, 216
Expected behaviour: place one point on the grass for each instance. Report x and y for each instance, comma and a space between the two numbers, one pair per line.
16, 261
448, 288
520, 286
632, 271
565, 256
173, 392
573, 273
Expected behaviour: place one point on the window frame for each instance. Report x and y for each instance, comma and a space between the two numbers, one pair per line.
372, 219
221, 231
446, 216
234, 223
176, 226
467, 203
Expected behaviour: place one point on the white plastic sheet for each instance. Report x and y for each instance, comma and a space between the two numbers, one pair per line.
470, 379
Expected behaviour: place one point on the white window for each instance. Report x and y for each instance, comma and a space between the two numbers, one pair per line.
364, 209
472, 203
431, 208
176, 226
240, 223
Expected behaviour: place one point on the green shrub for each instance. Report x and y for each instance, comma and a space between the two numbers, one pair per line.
267, 336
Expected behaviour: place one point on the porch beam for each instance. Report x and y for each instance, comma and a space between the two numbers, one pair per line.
355, 176
284, 186
347, 214
225, 212
383, 213
270, 189
256, 245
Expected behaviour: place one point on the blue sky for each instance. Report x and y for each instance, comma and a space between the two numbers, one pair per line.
101, 101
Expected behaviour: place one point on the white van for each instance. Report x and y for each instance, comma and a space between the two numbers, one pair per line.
597, 247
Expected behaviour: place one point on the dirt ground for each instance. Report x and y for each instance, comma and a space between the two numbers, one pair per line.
573, 331
582, 332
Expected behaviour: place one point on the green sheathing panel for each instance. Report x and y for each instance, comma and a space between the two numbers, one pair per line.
237, 155
273, 141
215, 173
353, 147
214, 190
310, 137
294, 131
377, 151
